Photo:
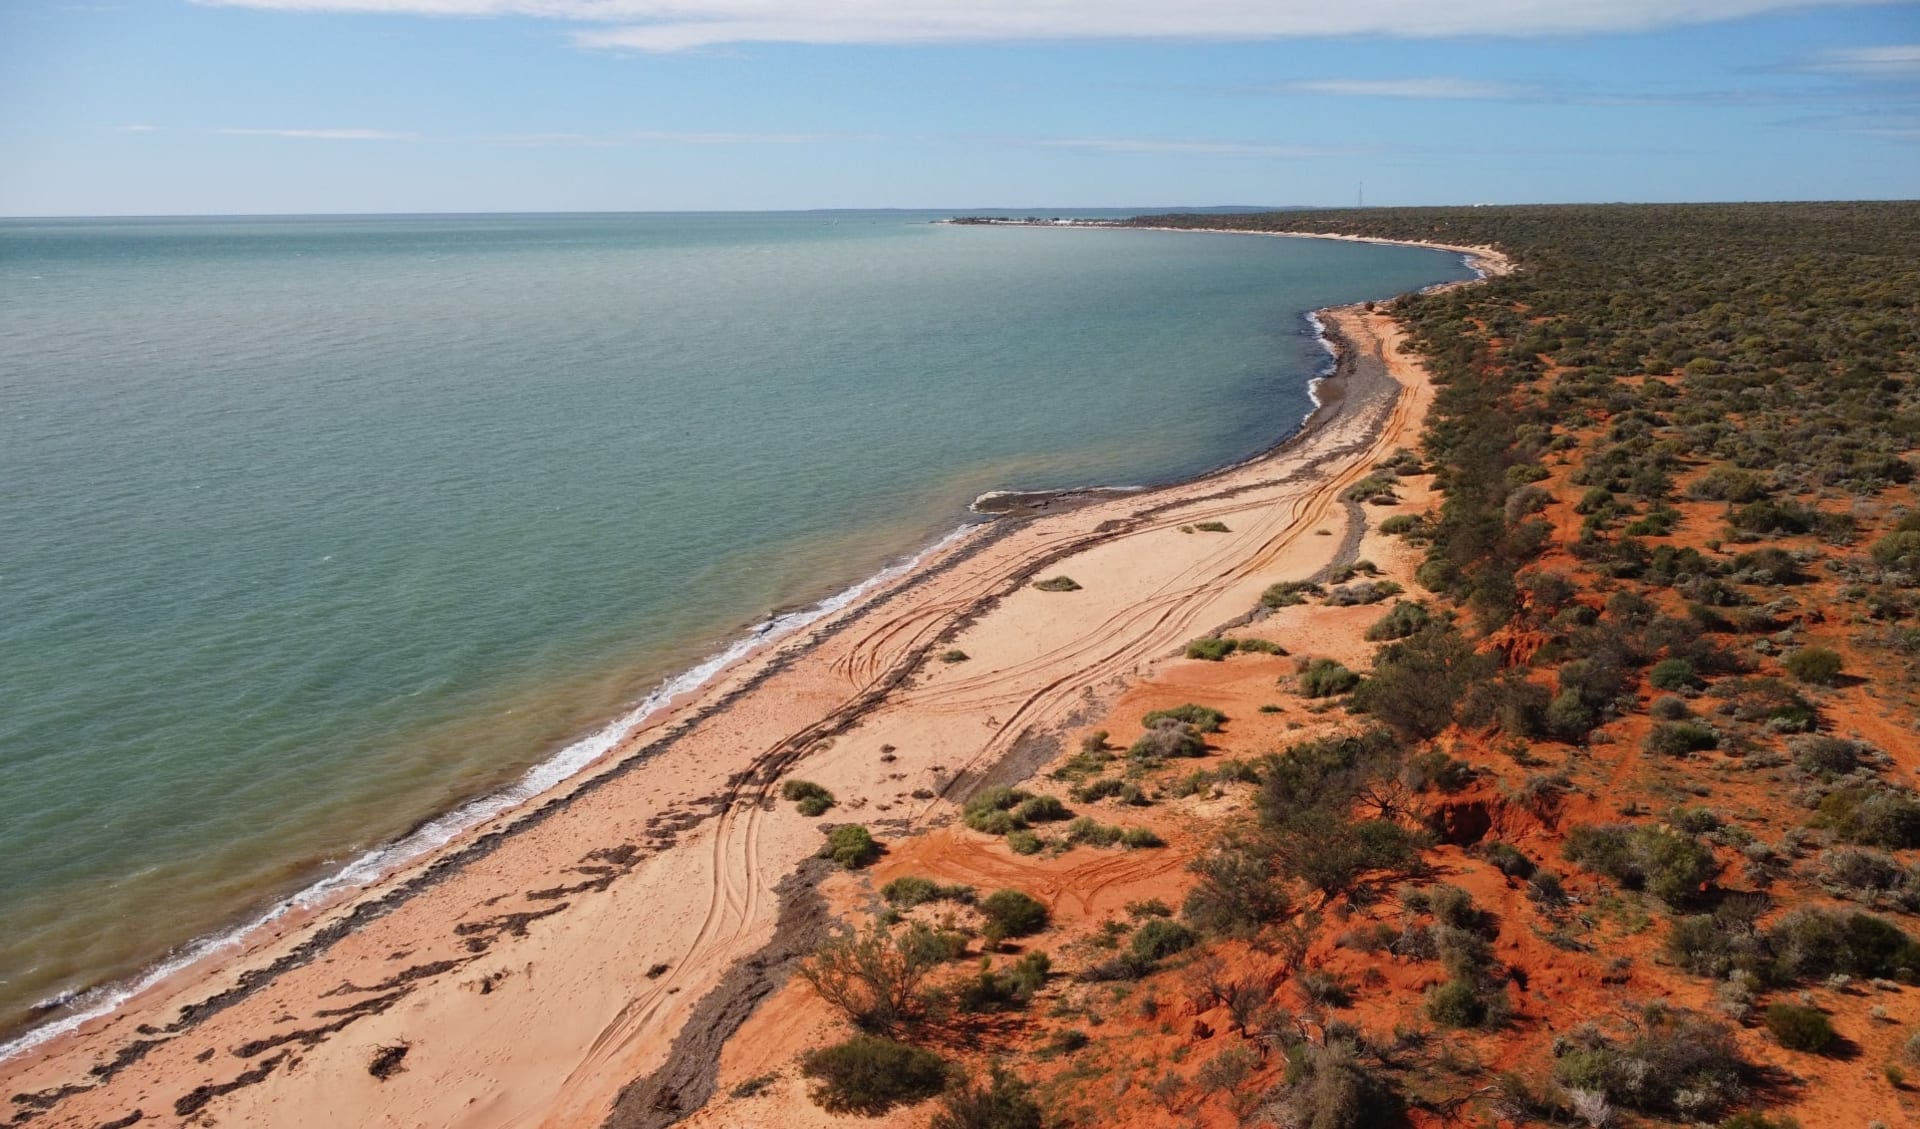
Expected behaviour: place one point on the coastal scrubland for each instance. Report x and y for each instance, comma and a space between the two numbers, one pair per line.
1592, 805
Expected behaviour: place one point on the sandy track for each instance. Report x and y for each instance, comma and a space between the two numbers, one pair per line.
545, 962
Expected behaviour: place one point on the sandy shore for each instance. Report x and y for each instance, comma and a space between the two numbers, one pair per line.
582, 960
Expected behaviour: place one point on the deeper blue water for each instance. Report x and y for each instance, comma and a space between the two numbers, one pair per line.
313, 528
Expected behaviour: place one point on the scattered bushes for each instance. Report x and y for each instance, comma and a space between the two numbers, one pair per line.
1872, 815
1327, 1087
869, 1076
1011, 987
994, 810
851, 845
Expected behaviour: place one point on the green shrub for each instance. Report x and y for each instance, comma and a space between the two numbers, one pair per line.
1024, 843
1211, 526
1289, 592
1457, 1003
1324, 678
1678, 738
1327, 1087
1673, 674
1401, 620
1418, 682
1400, 525
1167, 740
1041, 809
1437, 771
1670, 865
1365, 592
1013, 986
810, 799
850, 845
1800, 1028
1235, 894
1211, 650
1816, 665
1057, 584
1872, 816
1158, 939
1677, 1064
954, 655
909, 891
1136, 838
1099, 789
1825, 756
1013, 913
992, 810
869, 1076
1203, 719
1508, 860
1003, 1103
1092, 832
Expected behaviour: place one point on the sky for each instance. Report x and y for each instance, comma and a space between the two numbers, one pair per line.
177, 107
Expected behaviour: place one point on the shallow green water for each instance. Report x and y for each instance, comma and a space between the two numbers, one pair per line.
314, 529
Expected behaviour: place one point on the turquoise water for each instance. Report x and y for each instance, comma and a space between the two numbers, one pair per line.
314, 528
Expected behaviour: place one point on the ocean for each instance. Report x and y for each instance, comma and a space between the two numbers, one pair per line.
314, 531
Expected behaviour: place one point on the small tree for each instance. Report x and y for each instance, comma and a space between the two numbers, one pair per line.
877, 978
870, 1076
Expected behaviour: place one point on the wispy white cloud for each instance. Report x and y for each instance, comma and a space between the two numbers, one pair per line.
671, 137
678, 25
136, 127
1893, 60
1423, 88
1177, 147
324, 134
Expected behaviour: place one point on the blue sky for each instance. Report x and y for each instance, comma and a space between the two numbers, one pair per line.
264, 106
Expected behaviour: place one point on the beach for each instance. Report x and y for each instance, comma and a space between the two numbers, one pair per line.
582, 959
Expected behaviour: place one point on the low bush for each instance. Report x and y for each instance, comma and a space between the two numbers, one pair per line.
1328, 1087
1872, 816
1800, 1028
1093, 833
1137, 838
1670, 865
869, 1076
1673, 674
1366, 592
1041, 809
1678, 738
1013, 914
1004, 1102
1235, 894
992, 810
1816, 665
1324, 678
1166, 741
1211, 526
1011, 987
911, 890
1158, 939
851, 845
1058, 584
1025, 843
1825, 756
1289, 592
1676, 1065
1212, 650
1203, 719
1401, 620
809, 798
954, 655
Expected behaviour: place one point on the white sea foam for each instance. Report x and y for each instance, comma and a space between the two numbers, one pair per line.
1326, 370
369, 867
